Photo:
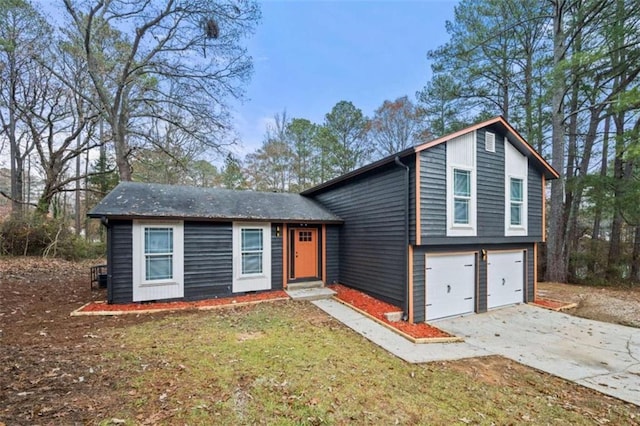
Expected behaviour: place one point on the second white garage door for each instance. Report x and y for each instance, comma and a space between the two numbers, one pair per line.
451, 285
505, 278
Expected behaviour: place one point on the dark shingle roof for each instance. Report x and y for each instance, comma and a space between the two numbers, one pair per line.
133, 199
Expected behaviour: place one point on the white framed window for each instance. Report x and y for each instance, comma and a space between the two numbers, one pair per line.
251, 256
461, 196
251, 250
515, 191
158, 260
517, 200
461, 185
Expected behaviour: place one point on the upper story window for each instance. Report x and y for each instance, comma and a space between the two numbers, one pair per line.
461, 196
461, 186
515, 191
516, 201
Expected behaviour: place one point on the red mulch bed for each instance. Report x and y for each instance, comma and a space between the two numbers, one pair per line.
553, 304
377, 308
230, 301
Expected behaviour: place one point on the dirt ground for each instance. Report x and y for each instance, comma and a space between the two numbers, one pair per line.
610, 304
51, 370
51, 366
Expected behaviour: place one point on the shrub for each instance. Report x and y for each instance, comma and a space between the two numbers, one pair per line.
35, 235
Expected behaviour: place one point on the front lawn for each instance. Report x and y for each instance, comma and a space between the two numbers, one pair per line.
272, 363
288, 363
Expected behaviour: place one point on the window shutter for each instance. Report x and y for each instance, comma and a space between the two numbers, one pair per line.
490, 142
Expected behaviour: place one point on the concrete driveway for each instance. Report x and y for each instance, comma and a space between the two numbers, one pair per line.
598, 355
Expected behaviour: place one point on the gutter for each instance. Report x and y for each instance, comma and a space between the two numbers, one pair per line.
406, 236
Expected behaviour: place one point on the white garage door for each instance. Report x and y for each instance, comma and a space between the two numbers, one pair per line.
505, 278
451, 285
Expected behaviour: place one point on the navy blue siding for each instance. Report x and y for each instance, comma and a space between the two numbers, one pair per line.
481, 289
433, 192
490, 184
276, 257
208, 261
120, 267
411, 162
333, 254
534, 201
372, 246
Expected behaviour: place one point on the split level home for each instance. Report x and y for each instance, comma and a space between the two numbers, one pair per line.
448, 227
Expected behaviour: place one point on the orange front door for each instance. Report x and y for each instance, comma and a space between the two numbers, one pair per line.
305, 247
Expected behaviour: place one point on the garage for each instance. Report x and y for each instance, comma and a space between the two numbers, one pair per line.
505, 278
450, 284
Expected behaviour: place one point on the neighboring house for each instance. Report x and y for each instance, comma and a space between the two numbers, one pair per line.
445, 228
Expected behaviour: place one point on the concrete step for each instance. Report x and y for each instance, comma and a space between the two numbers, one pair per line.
305, 284
310, 293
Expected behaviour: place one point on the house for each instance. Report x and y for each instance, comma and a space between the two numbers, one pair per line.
449, 227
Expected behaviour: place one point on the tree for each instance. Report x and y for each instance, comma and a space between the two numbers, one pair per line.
22, 34
347, 127
395, 126
439, 105
302, 137
155, 59
231, 175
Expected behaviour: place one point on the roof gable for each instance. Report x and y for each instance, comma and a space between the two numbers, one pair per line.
135, 199
512, 135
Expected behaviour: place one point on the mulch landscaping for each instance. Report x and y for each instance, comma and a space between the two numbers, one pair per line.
98, 306
552, 304
377, 308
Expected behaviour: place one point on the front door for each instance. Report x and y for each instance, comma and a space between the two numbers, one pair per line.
305, 247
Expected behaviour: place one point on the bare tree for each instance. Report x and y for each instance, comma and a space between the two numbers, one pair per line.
155, 46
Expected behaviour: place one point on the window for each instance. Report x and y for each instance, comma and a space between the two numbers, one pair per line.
158, 253
516, 200
251, 249
461, 196
304, 236
157, 260
251, 256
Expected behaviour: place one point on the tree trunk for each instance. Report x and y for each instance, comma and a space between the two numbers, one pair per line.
603, 173
615, 242
556, 255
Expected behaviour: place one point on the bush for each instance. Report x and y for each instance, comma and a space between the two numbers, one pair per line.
35, 235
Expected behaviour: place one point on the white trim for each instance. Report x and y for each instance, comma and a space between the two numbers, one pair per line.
515, 166
251, 282
462, 157
143, 289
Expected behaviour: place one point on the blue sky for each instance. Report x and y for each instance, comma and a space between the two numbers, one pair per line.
309, 55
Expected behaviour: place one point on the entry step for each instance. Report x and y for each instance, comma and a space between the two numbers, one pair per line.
316, 293
305, 284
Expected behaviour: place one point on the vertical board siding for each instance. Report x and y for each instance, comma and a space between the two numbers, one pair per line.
419, 288
333, 254
208, 260
490, 187
433, 191
121, 267
534, 201
372, 243
276, 256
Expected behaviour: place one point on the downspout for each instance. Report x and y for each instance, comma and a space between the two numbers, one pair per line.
406, 237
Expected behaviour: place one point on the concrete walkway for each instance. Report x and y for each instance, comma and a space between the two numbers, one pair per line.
393, 342
601, 356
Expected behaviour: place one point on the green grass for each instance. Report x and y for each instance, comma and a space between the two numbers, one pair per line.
288, 363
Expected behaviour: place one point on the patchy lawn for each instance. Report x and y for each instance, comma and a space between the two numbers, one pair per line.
274, 363
618, 305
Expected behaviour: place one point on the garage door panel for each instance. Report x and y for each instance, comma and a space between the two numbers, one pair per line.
450, 285
505, 278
